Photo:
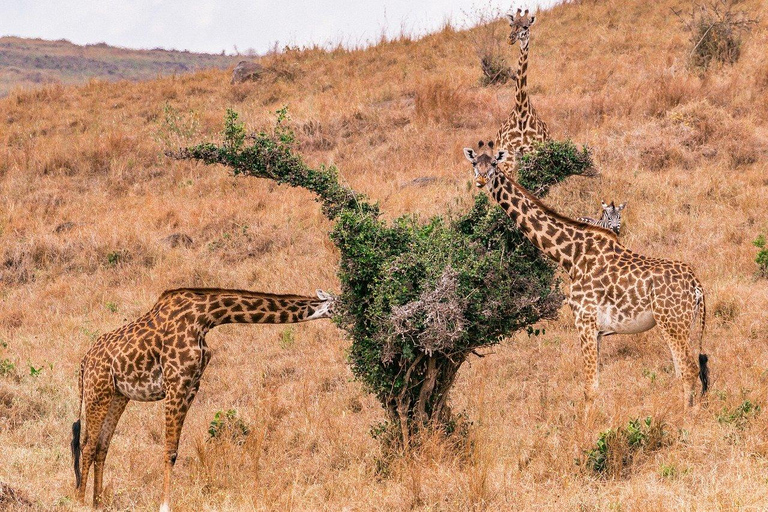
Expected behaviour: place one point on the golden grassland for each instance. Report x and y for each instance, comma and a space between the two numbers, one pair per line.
87, 198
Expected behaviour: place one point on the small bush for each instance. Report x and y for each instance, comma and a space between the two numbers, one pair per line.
488, 39
617, 448
740, 415
228, 426
762, 255
551, 162
716, 31
495, 70
7, 368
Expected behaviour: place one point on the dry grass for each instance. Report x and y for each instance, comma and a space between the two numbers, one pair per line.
87, 200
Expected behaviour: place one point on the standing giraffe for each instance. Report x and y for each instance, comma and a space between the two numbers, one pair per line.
613, 290
523, 127
610, 219
162, 355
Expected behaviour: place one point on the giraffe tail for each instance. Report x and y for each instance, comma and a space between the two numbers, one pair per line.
700, 317
75, 444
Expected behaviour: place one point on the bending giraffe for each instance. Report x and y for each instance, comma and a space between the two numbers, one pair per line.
162, 355
613, 290
523, 127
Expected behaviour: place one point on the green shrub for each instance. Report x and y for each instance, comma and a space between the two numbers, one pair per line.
740, 415
551, 162
228, 425
616, 448
7, 368
418, 297
762, 255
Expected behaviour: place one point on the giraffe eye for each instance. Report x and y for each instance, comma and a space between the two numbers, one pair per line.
493, 164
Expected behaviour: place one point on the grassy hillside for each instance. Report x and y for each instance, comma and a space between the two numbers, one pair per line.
87, 200
27, 63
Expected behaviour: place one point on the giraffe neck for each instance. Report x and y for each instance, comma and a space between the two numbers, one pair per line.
522, 103
217, 307
564, 240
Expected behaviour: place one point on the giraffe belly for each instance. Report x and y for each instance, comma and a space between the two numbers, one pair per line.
143, 386
610, 320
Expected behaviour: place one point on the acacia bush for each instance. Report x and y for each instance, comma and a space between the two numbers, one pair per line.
417, 297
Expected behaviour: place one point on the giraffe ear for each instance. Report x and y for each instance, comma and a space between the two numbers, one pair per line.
470, 154
323, 295
502, 155
532, 20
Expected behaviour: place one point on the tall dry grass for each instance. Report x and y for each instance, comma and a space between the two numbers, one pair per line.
87, 201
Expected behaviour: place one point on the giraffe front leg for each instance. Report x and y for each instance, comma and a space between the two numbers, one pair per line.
589, 339
177, 404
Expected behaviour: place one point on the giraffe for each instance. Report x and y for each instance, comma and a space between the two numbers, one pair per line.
162, 355
610, 219
613, 289
523, 127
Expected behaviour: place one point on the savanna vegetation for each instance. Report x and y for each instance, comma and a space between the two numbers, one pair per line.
95, 222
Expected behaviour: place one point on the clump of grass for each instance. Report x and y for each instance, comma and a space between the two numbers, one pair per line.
617, 448
762, 255
740, 415
228, 425
716, 33
7, 368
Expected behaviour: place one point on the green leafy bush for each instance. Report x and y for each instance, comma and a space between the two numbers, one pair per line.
740, 415
616, 448
228, 425
551, 162
418, 297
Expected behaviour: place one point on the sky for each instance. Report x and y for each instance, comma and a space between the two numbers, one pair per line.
214, 26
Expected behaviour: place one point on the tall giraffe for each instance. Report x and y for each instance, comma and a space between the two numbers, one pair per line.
613, 290
523, 127
162, 355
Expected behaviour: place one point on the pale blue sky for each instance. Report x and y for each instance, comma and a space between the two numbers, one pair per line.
209, 26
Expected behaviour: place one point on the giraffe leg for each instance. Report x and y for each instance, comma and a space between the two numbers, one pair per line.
176, 406
590, 343
116, 408
96, 410
685, 366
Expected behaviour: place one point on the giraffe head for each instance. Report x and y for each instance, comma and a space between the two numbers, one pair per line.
612, 214
484, 163
521, 25
326, 306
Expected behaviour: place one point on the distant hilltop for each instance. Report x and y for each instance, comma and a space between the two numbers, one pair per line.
28, 63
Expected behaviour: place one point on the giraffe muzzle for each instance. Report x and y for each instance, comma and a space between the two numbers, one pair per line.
480, 182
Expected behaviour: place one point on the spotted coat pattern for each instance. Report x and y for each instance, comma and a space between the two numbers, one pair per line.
613, 289
162, 356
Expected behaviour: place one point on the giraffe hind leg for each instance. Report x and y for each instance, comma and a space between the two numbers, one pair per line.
95, 412
116, 408
686, 369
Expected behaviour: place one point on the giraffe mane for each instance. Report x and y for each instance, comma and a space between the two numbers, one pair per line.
215, 291
562, 218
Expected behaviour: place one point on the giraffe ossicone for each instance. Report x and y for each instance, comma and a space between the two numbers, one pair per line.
613, 289
162, 355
